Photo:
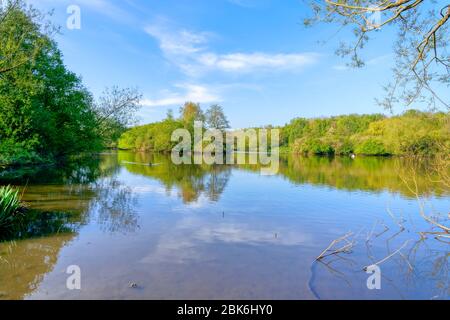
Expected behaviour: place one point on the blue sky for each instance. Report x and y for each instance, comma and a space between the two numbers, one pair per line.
253, 57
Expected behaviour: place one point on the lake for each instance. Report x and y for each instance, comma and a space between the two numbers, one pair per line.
227, 232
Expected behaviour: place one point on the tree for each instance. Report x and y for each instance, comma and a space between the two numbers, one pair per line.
191, 112
116, 111
45, 110
216, 119
422, 61
61, 107
21, 30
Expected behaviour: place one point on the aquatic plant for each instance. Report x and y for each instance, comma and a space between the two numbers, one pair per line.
10, 206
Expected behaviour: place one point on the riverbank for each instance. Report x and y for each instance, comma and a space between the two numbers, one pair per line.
17, 167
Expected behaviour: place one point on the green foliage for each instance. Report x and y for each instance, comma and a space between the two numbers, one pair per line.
414, 132
18, 153
45, 111
372, 147
64, 119
9, 207
424, 145
152, 137
21, 37
157, 136
45, 108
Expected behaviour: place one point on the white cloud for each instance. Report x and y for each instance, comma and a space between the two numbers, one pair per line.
180, 43
192, 92
243, 62
189, 51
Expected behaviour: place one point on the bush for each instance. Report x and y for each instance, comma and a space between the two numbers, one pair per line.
372, 147
320, 148
314, 147
420, 146
18, 153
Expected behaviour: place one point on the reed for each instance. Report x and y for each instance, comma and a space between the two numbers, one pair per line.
10, 206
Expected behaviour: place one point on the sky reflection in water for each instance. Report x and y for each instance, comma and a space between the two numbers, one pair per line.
198, 232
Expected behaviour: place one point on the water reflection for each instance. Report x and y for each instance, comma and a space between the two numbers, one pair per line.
371, 174
191, 181
23, 264
175, 228
114, 206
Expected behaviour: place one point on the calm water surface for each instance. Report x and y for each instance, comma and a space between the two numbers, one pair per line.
226, 232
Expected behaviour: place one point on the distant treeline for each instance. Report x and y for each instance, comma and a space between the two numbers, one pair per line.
413, 132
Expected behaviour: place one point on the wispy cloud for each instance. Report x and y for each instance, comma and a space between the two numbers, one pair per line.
247, 62
190, 52
191, 92
182, 42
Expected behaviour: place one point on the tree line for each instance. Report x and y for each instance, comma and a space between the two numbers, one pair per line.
411, 133
46, 112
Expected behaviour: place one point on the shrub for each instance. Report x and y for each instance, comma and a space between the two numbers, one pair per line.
372, 147
313, 147
18, 153
343, 147
420, 146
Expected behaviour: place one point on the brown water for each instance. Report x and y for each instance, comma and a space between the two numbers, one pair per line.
223, 232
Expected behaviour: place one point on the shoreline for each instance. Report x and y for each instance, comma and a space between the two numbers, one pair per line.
36, 165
